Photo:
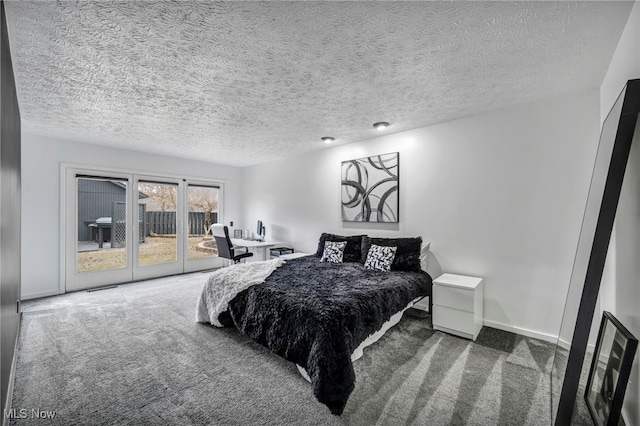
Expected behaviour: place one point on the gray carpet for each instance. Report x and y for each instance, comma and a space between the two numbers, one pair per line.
134, 355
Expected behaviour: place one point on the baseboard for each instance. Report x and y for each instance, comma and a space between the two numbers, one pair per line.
564, 344
47, 293
522, 331
12, 375
567, 345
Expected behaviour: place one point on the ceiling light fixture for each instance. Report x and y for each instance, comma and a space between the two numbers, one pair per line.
381, 125
328, 139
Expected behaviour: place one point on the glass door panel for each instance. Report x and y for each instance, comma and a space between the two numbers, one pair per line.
202, 206
158, 223
158, 234
101, 224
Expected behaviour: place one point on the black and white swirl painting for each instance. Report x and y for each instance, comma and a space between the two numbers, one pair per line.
370, 189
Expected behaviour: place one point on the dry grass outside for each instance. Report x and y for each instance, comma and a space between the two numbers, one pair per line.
154, 251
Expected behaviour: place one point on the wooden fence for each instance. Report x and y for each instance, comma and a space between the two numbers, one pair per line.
164, 223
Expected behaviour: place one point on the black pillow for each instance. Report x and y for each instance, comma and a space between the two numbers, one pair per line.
407, 255
352, 251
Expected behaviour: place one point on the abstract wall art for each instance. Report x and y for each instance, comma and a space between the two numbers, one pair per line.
610, 370
370, 188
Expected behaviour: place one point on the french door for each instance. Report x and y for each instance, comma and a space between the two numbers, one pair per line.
160, 252
121, 227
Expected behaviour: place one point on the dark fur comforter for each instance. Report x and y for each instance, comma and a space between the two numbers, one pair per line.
315, 314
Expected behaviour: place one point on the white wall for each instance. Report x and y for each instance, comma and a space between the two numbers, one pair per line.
41, 158
500, 195
620, 287
625, 63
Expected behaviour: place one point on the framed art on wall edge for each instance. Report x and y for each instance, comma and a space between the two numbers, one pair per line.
610, 369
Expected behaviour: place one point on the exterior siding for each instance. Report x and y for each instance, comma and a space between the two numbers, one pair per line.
95, 200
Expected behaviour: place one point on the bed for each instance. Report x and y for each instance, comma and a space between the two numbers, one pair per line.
317, 313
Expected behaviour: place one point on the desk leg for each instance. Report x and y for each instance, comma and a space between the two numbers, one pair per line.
259, 253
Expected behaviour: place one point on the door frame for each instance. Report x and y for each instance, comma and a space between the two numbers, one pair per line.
68, 169
70, 222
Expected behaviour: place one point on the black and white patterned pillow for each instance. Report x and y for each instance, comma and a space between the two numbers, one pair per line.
380, 258
333, 251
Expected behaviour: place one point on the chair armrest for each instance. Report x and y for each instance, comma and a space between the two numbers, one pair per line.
245, 248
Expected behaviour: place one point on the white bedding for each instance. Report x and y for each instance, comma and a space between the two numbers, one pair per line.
224, 284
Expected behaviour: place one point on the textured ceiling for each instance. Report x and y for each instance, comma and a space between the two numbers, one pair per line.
241, 83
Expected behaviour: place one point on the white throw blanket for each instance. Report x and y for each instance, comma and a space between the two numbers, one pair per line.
224, 284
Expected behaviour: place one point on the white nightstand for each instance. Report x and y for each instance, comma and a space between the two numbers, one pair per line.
457, 305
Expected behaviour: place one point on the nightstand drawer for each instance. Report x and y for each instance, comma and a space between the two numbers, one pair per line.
461, 299
453, 319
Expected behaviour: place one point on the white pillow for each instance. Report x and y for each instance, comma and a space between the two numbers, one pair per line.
333, 251
380, 258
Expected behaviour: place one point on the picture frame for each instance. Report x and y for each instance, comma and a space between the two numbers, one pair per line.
370, 189
610, 370
237, 233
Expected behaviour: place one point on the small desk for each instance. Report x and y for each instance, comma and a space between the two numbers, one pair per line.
293, 255
258, 248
